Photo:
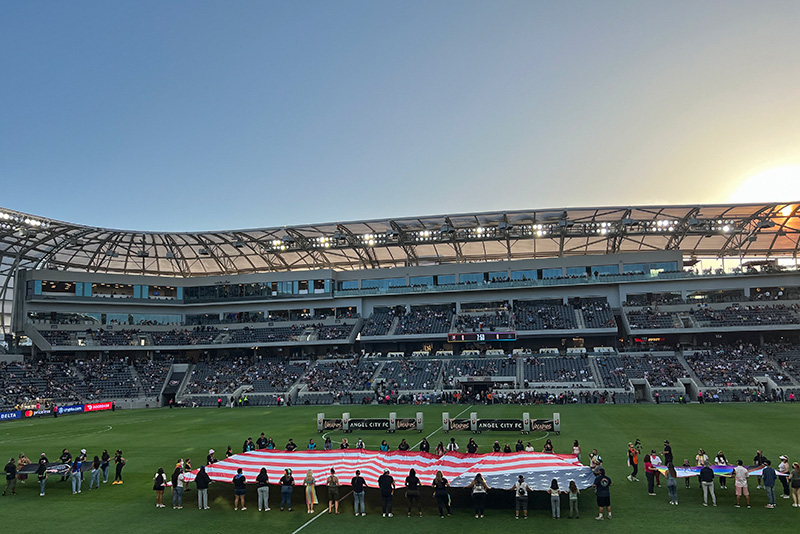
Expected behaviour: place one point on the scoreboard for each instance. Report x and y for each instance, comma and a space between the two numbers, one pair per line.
481, 337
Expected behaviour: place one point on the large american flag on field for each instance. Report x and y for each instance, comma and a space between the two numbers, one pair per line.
499, 469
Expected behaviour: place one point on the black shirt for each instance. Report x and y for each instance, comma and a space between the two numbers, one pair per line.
287, 480
706, 474
667, 454
386, 483
472, 447
403, 446
358, 484
202, 480
42, 470
412, 482
11, 471
291, 446
440, 487
239, 482
262, 480
425, 446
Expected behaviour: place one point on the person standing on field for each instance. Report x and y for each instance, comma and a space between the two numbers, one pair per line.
602, 485
769, 477
633, 462
707, 483
740, 481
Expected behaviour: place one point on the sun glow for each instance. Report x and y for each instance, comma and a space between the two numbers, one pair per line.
779, 184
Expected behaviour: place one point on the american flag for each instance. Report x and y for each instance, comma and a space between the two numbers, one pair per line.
499, 469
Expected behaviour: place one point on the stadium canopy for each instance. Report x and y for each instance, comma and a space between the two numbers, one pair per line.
707, 231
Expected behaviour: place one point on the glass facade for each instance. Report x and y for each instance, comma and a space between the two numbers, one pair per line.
551, 273
524, 275
576, 271
383, 283
471, 278
649, 268
445, 279
605, 269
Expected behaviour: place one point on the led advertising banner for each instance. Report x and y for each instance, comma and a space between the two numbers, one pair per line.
8, 416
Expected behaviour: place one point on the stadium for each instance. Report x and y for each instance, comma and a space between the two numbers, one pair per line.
541, 310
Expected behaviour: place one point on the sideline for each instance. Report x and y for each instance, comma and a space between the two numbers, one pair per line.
319, 514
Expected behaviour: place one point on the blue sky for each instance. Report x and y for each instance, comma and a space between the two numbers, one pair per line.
190, 115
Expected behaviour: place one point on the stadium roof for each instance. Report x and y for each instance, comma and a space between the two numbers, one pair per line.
732, 230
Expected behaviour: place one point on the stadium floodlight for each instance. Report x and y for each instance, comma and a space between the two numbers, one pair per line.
503, 226
238, 244
447, 229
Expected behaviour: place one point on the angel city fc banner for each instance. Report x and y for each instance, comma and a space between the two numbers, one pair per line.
390, 424
524, 424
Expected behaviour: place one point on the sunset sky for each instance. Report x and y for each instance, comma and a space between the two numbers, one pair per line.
190, 115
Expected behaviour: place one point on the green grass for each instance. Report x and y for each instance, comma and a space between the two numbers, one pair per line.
153, 438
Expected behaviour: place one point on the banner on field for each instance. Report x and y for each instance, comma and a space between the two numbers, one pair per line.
7, 416
70, 409
524, 424
37, 413
390, 424
97, 406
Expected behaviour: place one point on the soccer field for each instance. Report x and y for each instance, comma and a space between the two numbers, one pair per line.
157, 438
